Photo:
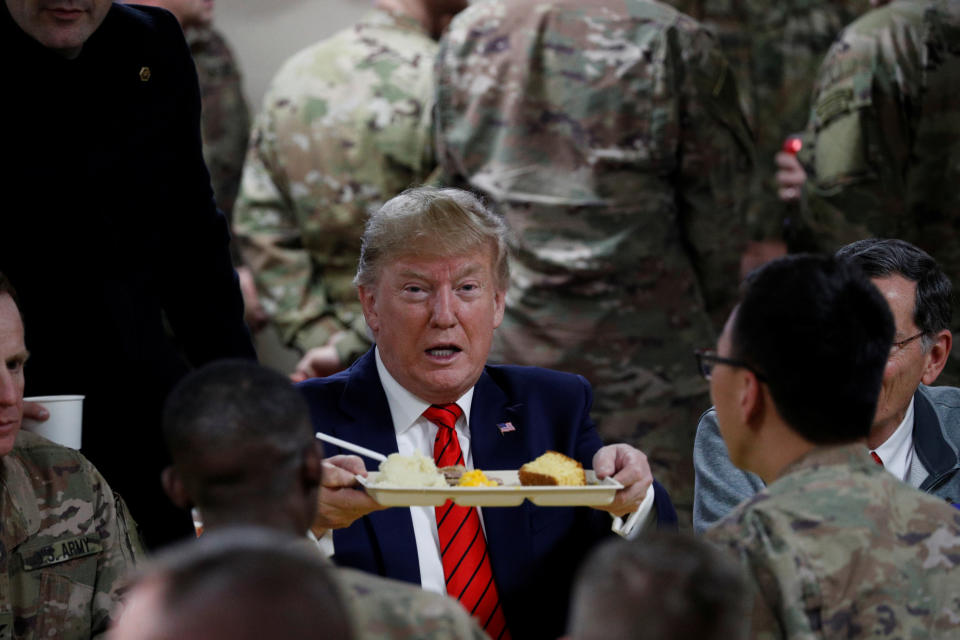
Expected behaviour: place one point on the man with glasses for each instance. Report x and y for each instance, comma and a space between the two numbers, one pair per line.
916, 428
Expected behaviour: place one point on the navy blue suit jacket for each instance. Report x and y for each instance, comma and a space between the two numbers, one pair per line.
534, 551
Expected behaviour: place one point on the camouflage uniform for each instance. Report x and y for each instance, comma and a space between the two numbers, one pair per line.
774, 49
224, 117
383, 609
882, 147
610, 137
67, 540
346, 125
839, 548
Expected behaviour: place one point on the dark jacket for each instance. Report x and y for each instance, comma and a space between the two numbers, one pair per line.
109, 232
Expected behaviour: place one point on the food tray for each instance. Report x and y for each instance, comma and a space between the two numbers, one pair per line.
510, 494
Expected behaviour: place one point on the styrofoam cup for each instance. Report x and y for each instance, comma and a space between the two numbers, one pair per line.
64, 426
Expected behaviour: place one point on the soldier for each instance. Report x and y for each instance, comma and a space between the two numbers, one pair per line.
345, 126
241, 583
244, 453
610, 137
882, 147
774, 50
834, 546
66, 539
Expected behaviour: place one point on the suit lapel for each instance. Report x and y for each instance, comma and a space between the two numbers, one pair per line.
371, 426
496, 429
507, 528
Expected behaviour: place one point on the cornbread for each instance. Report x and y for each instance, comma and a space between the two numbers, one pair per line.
409, 471
475, 478
553, 468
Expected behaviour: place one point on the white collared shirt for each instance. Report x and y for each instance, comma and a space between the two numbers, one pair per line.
897, 451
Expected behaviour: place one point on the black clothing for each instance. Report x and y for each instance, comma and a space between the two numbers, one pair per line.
110, 231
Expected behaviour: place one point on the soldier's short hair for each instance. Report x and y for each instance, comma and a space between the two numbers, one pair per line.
245, 582
431, 221
248, 411
664, 585
818, 333
883, 257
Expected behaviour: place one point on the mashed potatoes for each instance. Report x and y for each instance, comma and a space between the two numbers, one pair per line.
409, 471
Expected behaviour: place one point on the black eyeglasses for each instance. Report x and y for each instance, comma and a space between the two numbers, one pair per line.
707, 359
900, 344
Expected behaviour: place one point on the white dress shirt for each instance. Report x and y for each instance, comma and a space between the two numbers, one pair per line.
416, 433
897, 451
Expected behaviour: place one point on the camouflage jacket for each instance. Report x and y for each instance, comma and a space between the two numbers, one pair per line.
224, 117
882, 147
384, 609
67, 541
609, 135
839, 548
346, 125
775, 49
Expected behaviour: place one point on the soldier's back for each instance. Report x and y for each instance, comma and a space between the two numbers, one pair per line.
884, 134
609, 136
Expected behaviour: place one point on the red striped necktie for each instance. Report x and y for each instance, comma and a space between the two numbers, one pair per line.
463, 548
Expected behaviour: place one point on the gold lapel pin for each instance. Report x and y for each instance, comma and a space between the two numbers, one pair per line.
144, 74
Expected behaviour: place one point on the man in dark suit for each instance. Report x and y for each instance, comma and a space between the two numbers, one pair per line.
110, 232
432, 279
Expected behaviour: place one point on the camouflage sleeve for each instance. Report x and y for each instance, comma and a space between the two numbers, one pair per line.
716, 160
736, 539
122, 549
269, 233
855, 147
225, 120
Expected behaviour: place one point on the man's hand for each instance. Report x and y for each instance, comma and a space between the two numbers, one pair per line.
629, 467
253, 312
790, 176
341, 502
317, 362
35, 411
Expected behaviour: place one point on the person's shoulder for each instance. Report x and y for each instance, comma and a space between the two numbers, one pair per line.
34, 449
55, 468
387, 608
946, 397
142, 19
525, 378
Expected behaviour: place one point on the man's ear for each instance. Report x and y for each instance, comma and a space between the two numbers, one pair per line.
312, 471
752, 399
368, 300
174, 488
937, 356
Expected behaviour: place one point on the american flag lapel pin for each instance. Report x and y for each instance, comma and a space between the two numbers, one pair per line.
505, 427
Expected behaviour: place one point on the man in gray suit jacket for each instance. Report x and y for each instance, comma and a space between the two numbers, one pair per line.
916, 430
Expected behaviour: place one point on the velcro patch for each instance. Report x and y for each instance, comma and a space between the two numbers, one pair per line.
60, 551
834, 103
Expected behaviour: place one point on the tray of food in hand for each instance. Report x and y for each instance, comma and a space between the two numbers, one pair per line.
553, 479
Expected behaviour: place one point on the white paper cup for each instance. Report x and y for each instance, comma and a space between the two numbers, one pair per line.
65, 421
